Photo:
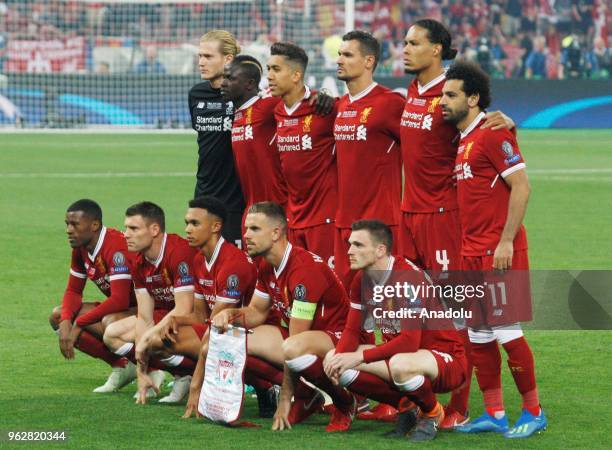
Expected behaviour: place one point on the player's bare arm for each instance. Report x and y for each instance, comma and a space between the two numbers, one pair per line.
519, 196
249, 316
281, 417
197, 380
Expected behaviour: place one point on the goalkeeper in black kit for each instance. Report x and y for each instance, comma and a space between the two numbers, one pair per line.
212, 118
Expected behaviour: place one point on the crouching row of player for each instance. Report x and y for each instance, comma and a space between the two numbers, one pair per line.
305, 327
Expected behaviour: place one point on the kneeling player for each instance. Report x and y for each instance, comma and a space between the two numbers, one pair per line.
417, 357
225, 276
311, 301
100, 254
163, 279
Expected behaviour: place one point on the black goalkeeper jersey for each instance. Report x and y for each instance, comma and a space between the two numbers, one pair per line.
212, 118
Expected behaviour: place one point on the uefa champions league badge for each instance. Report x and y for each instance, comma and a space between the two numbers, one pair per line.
508, 150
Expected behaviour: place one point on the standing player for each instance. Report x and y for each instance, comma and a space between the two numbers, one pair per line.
305, 143
367, 137
253, 133
366, 131
313, 305
100, 254
493, 191
211, 117
429, 231
415, 360
163, 281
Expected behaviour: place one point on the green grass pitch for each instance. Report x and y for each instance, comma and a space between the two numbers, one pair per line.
569, 227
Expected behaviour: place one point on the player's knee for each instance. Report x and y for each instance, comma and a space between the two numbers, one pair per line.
401, 368
293, 347
54, 318
108, 320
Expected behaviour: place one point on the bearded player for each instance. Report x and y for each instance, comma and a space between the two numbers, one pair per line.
493, 190
312, 303
429, 231
101, 255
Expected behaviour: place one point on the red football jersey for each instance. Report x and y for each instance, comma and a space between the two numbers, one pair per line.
228, 277
429, 146
171, 272
254, 147
367, 134
484, 159
398, 335
305, 144
109, 268
303, 276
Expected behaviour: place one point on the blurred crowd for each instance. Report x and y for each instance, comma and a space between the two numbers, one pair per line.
539, 39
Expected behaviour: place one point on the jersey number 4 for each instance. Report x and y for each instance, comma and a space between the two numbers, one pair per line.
442, 259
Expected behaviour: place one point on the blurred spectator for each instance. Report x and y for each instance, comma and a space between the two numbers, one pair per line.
599, 60
535, 65
150, 64
572, 58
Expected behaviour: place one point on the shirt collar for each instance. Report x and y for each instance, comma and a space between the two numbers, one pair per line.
432, 83
283, 263
363, 93
473, 125
249, 102
98, 244
293, 108
158, 261
209, 265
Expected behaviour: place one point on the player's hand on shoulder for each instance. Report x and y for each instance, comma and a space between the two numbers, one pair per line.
497, 120
280, 421
323, 102
65, 341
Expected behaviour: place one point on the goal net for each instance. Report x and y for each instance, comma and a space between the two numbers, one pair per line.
95, 63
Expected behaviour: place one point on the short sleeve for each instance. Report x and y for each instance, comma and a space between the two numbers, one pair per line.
306, 286
234, 281
182, 269
394, 109
119, 265
502, 150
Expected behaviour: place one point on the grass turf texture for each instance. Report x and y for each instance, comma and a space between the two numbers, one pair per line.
568, 225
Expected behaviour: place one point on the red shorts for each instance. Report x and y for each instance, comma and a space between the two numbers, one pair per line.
431, 240
507, 297
452, 370
318, 240
200, 329
159, 314
342, 266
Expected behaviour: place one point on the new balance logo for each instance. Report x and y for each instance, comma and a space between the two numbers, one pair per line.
362, 133
306, 142
445, 356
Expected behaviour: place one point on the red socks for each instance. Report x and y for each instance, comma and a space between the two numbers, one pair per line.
371, 386
460, 397
522, 367
93, 346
